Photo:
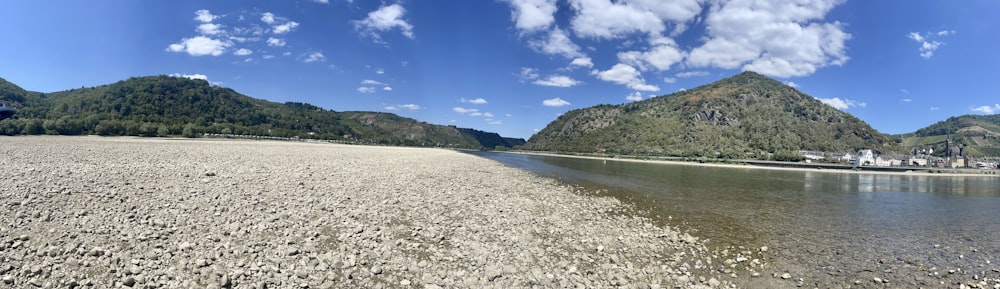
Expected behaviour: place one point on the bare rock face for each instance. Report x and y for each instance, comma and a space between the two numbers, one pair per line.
88, 212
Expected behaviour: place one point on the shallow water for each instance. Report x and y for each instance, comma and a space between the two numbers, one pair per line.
828, 228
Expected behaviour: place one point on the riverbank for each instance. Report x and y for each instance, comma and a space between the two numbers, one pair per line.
98, 212
740, 165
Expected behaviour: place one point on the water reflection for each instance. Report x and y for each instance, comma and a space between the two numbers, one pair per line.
863, 218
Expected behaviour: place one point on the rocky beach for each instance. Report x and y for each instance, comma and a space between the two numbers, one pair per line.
93, 212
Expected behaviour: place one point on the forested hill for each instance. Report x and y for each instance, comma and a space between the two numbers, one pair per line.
977, 135
173, 106
745, 116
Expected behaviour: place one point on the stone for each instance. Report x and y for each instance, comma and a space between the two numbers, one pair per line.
714, 282
786, 276
376, 270
404, 282
129, 281
7, 279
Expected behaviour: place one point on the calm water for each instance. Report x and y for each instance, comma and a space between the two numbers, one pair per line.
829, 227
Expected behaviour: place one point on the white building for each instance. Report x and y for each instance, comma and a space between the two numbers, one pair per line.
865, 158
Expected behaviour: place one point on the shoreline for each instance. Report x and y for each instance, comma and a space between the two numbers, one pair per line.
174, 213
752, 166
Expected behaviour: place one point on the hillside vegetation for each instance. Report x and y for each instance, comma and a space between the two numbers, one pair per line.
744, 116
978, 135
173, 106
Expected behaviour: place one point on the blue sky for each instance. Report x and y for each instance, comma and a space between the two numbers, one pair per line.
512, 66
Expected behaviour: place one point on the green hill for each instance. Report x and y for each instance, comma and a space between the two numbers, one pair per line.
744, 116
978, 135
165, 105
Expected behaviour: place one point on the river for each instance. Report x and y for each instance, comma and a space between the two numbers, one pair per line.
830, 229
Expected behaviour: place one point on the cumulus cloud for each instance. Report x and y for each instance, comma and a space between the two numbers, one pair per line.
191, 76
660, 57
271, 41
366, 89
626, 75
462, 110
384, 19
387, 88
557, 81
408, 106
243, 52
210, 29
532, 15
267, 17
986, 109
842, 104
473, 101
928, 46
557, 43
200, 46
204, 15
635, 96
371, 82
315, 56
555, 102
787, 38
582, 62
792, 84
285, 28
528, 73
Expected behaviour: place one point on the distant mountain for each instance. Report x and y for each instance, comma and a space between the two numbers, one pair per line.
976, 135
745, 116
165, 105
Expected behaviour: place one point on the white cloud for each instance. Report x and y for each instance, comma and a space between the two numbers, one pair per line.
268, 18
384, 19
473, 101
660, 57
582, 62
692, 74
191, 76
528, 73
387, 88
210, 29
285, 28
557, 43
607, 20
555, 102
792, 84
928, 46
532, 15
557, 81
626, 75
841, 104
408, 106
787, 38
487, 114
986, 109
325, 1
200, 46
493, 121
933, 108
204, 16
271, 41
371, 82
463, 110
669, 79
379, 71
635, 96
315, 56
366, 89
243, 52
907, 100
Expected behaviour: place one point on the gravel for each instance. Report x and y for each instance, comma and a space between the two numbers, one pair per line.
93, 212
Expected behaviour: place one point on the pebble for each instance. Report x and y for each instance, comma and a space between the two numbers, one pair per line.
155, 213
786, 276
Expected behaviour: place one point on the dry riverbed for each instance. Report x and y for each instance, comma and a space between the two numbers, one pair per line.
90, 212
